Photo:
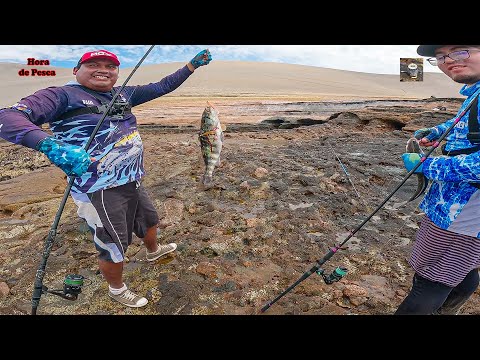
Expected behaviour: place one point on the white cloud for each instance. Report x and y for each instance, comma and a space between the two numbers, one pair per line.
382, 59
20, 53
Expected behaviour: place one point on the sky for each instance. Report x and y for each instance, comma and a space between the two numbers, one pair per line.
378, 59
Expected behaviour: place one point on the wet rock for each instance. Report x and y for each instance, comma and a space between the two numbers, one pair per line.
253, 222
228, 286
332, 309
307, 180
212, 206
192, 208
206, 234
208, 252
356, 294
132, 250
207, 269
279, 186
176, 298
82, 254
377, 287
18, 192
4, 290
299, 206
153, 295
244, 185
211, 218
250, 236
260, 172
170, 212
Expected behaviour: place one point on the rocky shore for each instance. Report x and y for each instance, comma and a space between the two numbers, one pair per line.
280, 201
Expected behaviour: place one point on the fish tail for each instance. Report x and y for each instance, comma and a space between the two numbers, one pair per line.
207, 179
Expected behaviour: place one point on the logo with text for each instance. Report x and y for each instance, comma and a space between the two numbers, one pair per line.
36, 72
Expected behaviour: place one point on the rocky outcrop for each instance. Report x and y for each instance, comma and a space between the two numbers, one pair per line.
280, 200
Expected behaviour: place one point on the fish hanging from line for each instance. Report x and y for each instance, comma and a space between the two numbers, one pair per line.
211, 142
414, 147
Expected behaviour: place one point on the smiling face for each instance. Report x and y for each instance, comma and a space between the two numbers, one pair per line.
466, 71
99, 74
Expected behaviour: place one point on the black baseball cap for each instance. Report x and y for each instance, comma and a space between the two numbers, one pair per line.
428, 50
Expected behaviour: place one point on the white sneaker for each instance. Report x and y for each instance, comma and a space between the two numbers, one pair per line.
162, 250
129, 298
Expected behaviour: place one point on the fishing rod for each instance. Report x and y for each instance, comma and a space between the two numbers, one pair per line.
74, 282
348, 177
339, 272
344, 170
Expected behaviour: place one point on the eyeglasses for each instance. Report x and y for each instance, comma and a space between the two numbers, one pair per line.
456, 55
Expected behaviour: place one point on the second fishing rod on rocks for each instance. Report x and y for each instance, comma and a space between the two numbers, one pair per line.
339, 272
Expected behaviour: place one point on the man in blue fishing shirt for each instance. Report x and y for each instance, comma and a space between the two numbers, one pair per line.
446, 252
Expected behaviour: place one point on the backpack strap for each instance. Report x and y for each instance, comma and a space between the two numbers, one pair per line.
86, 110
473, 129
114, 111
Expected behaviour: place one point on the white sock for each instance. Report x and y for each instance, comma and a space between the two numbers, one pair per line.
117, 291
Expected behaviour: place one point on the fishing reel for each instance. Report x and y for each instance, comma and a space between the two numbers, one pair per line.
335, 276
72, 286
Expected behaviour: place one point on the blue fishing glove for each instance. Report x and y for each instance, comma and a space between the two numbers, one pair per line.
410, 160
202, 58
73, 160
429, 133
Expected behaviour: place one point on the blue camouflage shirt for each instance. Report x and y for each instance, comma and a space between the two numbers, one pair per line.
451, 202
117, 147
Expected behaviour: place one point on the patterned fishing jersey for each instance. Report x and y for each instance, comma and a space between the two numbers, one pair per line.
451, 202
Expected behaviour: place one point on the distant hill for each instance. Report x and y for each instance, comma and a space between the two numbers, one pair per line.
239, 78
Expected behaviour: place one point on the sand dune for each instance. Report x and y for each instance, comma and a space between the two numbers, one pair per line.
248, 79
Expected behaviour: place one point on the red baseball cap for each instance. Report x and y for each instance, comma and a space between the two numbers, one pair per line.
99, 54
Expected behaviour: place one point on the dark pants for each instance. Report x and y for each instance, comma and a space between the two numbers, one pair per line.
428, 297
114, 214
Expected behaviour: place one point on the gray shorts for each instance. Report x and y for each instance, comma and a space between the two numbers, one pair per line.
113, 215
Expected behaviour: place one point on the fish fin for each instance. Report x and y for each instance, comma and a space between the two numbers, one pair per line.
421, 187
211, 105
413, 146
425, 185
207, 181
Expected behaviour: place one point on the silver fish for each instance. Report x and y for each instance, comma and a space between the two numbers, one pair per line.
414, 147
211, 141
